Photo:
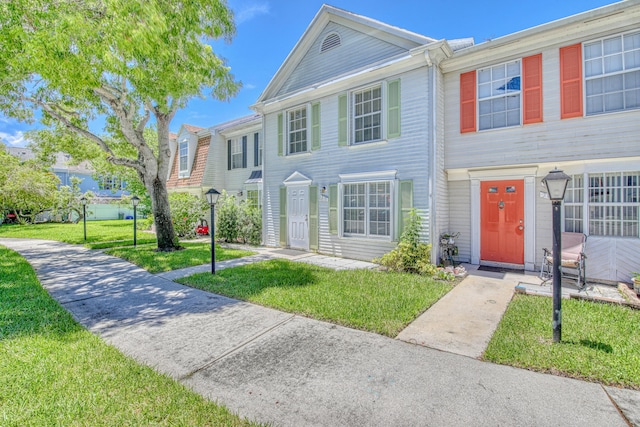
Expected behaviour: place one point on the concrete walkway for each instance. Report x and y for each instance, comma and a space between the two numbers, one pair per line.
288, 370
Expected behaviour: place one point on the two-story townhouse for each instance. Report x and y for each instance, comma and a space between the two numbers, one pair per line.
565, 94
237, 162
227, 157
353, 138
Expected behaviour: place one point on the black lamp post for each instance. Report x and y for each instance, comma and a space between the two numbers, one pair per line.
212, 198
556, 182
135, 200
83, 200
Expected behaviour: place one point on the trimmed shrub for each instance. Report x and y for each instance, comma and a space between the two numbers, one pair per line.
250, 223
227, 216
411, 255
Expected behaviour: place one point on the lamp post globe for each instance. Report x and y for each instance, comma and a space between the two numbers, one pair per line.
556, 182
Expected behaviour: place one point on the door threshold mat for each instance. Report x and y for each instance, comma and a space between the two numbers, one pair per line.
500, 269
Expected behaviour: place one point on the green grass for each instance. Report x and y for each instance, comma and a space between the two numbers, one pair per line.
116, 232
600, 342
195, 253
373, 301
54, 372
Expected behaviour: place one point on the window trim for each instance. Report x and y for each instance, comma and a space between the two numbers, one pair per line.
183, 172
236, 143
288, 131
604, 74
392, 211
351, 117
520, 93
586, 204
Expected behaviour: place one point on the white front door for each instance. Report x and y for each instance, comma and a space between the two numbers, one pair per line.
298, 216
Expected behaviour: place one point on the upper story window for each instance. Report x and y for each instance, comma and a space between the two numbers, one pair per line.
297, 130
112, 183
183, 152
503, 95
612, 73
236, 154
257, 149
499, 96
367, 114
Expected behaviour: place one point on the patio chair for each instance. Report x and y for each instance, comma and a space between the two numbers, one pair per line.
572, 257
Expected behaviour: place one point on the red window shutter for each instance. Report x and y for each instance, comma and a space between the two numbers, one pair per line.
532, 88
468, 102
571, 81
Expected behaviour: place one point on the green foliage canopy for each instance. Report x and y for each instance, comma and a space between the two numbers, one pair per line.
128, 62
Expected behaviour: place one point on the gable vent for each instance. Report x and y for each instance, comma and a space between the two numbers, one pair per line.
329, 42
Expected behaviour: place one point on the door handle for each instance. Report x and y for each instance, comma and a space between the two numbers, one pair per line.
521, 226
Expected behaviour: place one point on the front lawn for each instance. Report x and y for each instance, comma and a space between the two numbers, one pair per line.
98, 232
53, 372
600, 342
379, 302
195, 253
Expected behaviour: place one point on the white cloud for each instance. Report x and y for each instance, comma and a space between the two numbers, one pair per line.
248, 12
249, 86
13, 140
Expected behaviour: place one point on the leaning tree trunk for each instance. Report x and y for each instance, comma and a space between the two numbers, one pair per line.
162, 216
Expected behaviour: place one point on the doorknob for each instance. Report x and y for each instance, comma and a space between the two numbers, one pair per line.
521, 226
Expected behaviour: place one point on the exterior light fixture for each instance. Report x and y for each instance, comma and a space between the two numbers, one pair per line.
212, 197
556, 182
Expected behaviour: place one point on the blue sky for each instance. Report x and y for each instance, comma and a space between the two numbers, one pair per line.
267, 30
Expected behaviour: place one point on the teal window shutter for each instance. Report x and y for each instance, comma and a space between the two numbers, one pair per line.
283, 216
342, 120
313, 217
405, 204
315, 126
280, 135
393, 109
333, 209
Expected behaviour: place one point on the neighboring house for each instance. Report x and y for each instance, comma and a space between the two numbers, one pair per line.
564, 94
189, 160
225, 157
108, 190
353, 138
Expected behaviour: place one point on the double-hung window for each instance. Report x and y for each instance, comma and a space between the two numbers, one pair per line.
499, 96
183, 152
612, 205
367, 209
367, 114
236, 154
297, 130
612, 73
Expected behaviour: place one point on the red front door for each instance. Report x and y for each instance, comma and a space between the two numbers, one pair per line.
502, 221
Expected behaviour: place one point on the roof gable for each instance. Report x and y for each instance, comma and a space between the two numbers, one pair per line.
363, 41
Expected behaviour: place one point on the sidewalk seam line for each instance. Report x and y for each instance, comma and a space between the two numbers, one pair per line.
236, 348
615, 405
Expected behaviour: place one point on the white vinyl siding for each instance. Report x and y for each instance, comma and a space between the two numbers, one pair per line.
499, 96
612, 73
367, 114
367, 209
297, 131
183, 153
